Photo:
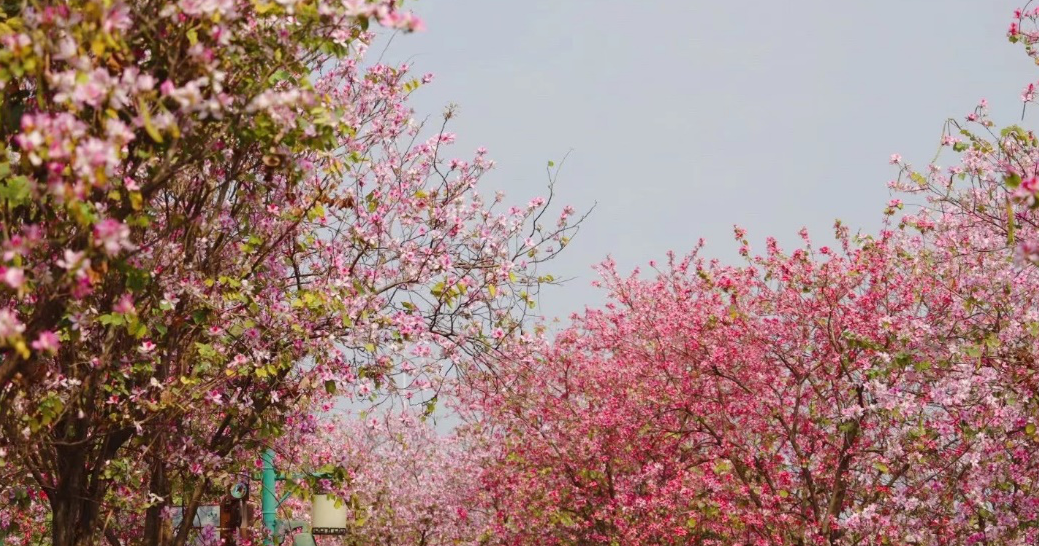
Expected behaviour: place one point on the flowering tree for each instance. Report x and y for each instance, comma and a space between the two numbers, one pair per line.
883, 392
209, 211
403, 483
23, 519
994, 185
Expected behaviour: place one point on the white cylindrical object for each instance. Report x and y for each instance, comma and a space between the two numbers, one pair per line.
326, 518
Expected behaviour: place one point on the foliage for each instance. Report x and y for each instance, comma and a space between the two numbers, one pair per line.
402, 481
212, 210
880, 392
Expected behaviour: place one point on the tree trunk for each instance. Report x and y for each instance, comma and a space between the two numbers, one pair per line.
190, 510
153, 524
76, 496
74, 511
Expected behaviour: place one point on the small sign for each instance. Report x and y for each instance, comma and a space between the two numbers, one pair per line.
205, 516
328, 531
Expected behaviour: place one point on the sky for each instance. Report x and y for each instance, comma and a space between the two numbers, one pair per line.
684, 117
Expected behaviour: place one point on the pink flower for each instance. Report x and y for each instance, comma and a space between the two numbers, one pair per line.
47, 342
1026, 192
10, 326
146, 347
198, 8
13, 277
93, 90
93, 155
113, 236
125, 304
1028, 251
117, 19
395, 19
896, 159
74, 262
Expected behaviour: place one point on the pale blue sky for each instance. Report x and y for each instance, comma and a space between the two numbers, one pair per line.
687, 116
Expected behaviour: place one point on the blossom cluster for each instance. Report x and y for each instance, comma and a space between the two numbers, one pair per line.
215, 214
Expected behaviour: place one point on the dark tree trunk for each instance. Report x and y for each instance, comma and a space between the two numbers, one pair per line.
159, 486
74, 510
76, 497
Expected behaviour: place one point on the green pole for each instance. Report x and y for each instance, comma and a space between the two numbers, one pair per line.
269, 500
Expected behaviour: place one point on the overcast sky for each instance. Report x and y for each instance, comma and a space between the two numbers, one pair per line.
688, 116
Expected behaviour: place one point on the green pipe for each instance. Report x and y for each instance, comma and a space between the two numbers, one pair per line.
269, 500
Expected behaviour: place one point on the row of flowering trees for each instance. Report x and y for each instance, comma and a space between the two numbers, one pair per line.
217, 222
212, 212
403, 482
879, 391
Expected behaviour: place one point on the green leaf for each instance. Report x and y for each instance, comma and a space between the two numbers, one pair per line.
330, 387
146, 117
205, 350
1011, 225
429, 407
1013, 180
263, 8
112, 319
137, 329
280, 75
16, 190
317, 211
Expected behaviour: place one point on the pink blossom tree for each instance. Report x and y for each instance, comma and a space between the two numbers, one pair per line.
402, 481
210, 211
880, 392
